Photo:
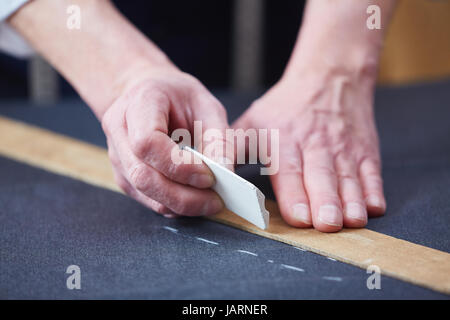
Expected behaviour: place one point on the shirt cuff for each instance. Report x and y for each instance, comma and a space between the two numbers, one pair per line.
8, 7
10, 41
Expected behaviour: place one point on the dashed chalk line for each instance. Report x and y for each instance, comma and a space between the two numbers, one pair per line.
171, 229
248, 252
338, 279
292, 268
207, 241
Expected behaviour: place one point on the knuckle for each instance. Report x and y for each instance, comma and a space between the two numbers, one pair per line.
180, 207
142, 88
115, 161
189, 77
370, 158
370, 166
374, 182
139, 177
323, 170
123, 185
317, 141
155, 93
141, 145
112, 157
172, 170
184, 205
107, 123
374, 176
347, 177
328, 197
159, 207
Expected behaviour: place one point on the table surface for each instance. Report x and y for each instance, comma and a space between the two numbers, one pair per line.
49, 222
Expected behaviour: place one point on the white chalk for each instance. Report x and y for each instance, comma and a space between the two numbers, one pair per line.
239, 195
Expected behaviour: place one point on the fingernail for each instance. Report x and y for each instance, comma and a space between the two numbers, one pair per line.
213, 206
170, 216
201, 180
301, 213
354, 210
330, 215
375, 201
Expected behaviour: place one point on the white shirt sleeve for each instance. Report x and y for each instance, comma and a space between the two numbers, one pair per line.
10, 41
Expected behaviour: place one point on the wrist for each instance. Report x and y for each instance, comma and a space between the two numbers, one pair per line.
357, 66
337, 88
110, 62
334, 40
125, 78
100, 58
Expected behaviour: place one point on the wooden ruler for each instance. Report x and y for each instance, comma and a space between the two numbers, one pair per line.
397, 258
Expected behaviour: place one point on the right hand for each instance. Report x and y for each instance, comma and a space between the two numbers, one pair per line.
137, 126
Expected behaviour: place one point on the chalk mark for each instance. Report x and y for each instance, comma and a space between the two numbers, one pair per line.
248, 252
338, 279
171, 229
292, 268
332, 259
207, 241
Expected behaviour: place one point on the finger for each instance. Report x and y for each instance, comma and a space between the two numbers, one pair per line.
243, 122
123, 183
141, 198
322, 187
181, 199
370, 176
147, 121
216, 144
290, 190
355, 213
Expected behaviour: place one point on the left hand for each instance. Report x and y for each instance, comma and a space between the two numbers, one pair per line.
329, 173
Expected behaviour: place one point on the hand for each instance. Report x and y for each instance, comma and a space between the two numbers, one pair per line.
329, 174
137, 127
139, 95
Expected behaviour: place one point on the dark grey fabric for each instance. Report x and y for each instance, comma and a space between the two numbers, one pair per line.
48, 222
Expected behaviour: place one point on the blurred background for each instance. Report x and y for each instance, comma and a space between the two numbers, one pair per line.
245, 44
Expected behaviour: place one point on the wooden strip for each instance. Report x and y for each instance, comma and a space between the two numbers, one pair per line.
417, 22
397, 258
